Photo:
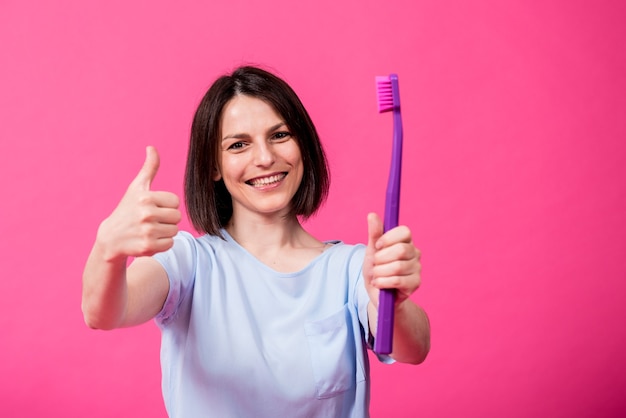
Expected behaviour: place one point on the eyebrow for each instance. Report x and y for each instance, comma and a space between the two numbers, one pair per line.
241, 136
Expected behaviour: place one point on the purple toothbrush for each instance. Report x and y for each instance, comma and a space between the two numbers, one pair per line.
389, 100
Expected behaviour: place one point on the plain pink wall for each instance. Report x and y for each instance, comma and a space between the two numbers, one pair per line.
514, 184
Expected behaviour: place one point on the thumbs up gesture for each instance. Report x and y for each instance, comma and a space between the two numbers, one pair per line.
145, 221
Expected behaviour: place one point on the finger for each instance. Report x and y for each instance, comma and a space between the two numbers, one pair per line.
404, 286
151, 217
165, 200
154, 238
162, 244
389, 282
405, 282
374, 231
396, 268
168, 216
148, 170
400, 251
167, 231
399, 234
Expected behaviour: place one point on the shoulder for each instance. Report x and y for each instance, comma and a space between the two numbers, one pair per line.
186, 241
346, 251
188, 251
346, 256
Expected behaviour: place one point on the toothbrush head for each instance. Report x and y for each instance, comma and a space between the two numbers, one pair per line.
388, 93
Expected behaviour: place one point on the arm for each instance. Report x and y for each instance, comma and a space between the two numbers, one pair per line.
392, 261
144, 223
115, 296
411, 332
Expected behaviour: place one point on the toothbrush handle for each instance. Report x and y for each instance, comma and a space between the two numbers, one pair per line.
387, 297
392, 203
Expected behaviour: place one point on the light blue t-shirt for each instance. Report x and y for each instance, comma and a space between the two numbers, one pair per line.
242, 340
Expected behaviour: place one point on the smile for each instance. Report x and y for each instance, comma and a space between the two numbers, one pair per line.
266, 181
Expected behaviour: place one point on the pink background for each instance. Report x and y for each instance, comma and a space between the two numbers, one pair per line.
514, 184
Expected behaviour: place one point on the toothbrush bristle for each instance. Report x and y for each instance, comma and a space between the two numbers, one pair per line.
384, 91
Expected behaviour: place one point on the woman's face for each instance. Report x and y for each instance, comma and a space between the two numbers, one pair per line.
259, 159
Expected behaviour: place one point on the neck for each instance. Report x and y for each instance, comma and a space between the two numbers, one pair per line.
263, 234
281, 244
272, 231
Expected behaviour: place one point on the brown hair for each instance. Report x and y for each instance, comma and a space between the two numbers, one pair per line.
209, 203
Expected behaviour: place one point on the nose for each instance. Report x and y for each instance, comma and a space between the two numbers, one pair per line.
263, 154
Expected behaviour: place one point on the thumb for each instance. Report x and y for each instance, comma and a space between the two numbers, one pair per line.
148, 170
374, 230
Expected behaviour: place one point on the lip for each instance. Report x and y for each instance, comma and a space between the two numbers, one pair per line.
267, 181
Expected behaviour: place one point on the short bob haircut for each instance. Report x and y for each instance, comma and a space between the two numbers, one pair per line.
209, 204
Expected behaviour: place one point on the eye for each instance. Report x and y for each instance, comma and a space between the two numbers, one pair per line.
235, 146
281, 135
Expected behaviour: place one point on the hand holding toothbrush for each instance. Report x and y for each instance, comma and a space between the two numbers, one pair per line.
393, 262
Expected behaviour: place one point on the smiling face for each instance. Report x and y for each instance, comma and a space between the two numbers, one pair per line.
259, 159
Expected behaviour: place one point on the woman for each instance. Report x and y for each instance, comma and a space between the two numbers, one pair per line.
258, 317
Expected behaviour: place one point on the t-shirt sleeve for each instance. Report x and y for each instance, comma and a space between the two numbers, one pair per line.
179, 263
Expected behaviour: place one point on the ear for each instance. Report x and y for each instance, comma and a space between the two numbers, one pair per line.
216, 175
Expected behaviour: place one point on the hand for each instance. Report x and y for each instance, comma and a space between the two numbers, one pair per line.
391, 261
144, 222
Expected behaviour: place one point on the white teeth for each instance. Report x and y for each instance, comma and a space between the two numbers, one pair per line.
264, 181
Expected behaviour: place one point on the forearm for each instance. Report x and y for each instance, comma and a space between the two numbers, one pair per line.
411, 332
411, 341
105, 291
